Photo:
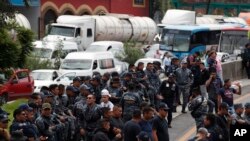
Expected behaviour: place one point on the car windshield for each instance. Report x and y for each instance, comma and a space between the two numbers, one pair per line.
231, 40
77, 64
41, 75
42, 52
62, 30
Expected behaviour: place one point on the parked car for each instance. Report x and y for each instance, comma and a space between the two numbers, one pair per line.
46, 77
15, 84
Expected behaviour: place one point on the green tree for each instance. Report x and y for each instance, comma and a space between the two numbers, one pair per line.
132, 52
25, 38
6, 11
10, 50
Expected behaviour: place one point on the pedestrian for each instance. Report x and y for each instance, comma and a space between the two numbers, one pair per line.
132, 127
237, 116
224, 119
184, 79
105, 80
175, 62
4, 134
191, 59
95, 87
216, 133
143, 136
247, 113
146, 122
160, 124
226, 94
115, 90
202, 135
166, 60
204, 76
116, 119
213, 85
246, 59
168, 91
77, 81
199, 106
105, 100
101, 134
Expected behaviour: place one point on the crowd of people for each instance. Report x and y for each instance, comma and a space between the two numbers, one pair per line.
134, 106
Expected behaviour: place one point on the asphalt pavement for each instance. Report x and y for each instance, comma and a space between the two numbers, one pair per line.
183, 125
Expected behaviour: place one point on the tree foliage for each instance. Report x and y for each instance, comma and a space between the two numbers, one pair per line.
10, 50
132, 53
25, 37
6, 11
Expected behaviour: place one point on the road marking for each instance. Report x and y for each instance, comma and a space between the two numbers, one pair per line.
192, 131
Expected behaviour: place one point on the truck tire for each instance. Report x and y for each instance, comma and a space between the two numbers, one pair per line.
3, 99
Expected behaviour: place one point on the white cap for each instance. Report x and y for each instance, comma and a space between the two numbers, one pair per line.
105, 92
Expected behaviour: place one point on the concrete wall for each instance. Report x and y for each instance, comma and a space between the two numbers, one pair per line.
233, 70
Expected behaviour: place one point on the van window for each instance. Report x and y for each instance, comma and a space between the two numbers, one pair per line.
106, 63
89, 32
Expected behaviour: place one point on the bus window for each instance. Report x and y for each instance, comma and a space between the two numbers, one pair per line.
181, 43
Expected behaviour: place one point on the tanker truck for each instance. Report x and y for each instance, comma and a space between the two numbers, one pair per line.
87, 29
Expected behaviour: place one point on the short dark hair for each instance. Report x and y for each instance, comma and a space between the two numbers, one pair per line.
44, 88
35, 96
212, 118
137, 113
61, 86
105, 110
103, 122
197, 53
52, 87
140, 64
147, 109
226, 81
18, 111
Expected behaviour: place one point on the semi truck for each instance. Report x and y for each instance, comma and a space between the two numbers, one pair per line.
87, 29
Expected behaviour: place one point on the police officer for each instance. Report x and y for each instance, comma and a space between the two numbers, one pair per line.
173, 67
168, 90
140, 74
198, 107
130, 101
105, 80
91, 115
153, 77
246, 59
95, 87
46, 125
247, 113
20, 125
115, 90
184, 79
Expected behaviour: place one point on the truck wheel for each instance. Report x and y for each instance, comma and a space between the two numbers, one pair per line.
3, 99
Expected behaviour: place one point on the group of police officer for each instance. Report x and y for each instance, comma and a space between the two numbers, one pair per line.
64, 113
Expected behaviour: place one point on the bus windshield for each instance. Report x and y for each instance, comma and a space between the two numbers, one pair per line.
175, 40
233, 40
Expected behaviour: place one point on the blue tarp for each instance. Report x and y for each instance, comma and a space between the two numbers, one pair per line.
21, 3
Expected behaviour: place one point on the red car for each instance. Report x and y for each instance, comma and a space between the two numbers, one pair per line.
15, 84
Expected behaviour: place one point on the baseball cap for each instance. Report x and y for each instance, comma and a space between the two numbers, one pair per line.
46, 106
203, 130
143, 136
163, 106
77, 79
47, 94
25, 107
3, 117
83, 86
105, 92
247, 105
97, 78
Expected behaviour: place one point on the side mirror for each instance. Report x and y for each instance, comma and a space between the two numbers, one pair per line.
14, 81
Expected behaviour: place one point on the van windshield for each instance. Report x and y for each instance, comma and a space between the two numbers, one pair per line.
42, 52
77, 64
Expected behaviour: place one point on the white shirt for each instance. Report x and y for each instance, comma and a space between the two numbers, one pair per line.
109, 104
167, 61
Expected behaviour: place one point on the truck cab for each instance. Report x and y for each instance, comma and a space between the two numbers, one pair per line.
15, 84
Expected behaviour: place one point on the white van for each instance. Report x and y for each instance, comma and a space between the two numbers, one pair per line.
50, 49
84, 63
